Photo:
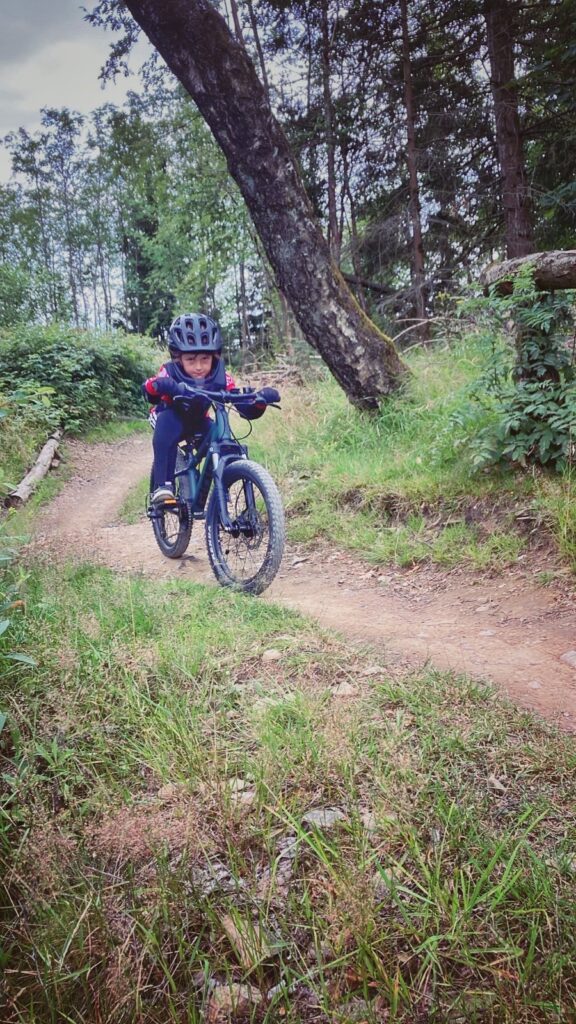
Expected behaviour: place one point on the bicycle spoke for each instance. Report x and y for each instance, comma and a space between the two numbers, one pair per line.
245, 550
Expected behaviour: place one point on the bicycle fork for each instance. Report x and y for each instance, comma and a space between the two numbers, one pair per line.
238, 525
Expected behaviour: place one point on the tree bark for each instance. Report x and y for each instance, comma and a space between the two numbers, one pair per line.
515, 193
197, 45
552, 270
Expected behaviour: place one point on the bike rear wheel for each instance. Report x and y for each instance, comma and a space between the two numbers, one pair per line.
246, 558
172, 524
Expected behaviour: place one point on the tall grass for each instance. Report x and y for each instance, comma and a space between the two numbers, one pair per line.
403, 486
185, 822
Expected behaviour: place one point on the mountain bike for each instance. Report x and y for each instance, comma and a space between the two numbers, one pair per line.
238, 499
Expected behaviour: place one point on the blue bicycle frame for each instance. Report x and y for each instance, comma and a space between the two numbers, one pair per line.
217, 449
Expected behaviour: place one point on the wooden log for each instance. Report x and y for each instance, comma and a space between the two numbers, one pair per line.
552, 270
21, 493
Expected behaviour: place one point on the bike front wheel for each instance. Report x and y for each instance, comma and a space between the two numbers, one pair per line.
247, 556
172, 524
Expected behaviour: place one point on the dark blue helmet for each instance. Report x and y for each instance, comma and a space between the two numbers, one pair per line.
194, 332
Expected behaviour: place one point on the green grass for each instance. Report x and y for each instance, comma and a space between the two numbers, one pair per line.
117, 430
400, 486
156, 776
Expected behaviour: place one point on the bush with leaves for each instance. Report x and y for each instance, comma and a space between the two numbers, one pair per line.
529, 384
27, 417
92, 377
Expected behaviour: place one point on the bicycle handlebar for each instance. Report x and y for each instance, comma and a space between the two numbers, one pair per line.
235, 396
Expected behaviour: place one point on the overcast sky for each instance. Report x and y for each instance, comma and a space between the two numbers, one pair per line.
50, 57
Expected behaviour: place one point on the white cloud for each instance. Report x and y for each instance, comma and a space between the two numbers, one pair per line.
60, 74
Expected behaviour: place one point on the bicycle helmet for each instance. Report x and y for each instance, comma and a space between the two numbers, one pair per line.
194, 332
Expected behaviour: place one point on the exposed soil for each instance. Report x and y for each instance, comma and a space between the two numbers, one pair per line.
502, 628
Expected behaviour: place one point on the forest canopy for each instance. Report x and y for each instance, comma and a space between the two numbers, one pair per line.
430, 141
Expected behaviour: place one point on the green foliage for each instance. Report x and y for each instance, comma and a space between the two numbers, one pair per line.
27, 416
14, 294
401, 486
73, 378
530, 389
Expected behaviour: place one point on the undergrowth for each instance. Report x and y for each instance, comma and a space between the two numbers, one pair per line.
207, 802
56, 377
406, 486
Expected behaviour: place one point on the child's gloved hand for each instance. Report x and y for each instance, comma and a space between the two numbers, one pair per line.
269, 395
167, 386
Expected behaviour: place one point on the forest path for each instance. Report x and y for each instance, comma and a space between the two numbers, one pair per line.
504, 629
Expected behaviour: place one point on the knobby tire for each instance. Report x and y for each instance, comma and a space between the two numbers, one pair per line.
172, 526
248, 560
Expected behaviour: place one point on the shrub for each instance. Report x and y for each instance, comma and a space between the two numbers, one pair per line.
93, 377
529, 387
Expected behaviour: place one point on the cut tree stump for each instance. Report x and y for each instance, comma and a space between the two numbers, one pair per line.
552, 271
43, 463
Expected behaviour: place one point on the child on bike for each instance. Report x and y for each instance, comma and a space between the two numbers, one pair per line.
195, 346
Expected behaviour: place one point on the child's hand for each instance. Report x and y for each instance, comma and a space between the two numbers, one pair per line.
167, 386
270, 395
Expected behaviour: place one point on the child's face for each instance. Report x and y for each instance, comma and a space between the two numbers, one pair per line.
197, 364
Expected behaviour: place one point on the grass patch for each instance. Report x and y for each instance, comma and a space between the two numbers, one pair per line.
117, 430
402, 486
133, 509
186, 824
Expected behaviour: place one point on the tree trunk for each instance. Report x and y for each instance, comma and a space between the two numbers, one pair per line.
418, 275
195, 42
552, 271
36, 474
259, 50
333, 230
236, 20
515, 192
244, 328
354, 243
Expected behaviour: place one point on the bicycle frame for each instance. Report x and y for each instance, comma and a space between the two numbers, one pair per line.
218, 448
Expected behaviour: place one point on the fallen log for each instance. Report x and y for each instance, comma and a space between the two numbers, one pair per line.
21, 493
552, 270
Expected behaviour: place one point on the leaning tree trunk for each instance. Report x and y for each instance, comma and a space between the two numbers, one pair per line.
515, 192
214, 68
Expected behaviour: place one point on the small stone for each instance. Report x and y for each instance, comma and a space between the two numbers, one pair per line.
495, 784
170, 792
534, 685
245, 799
251, 944
344, 690
227, 1002
487, 632
368, 819
569, 658
323, 817
271, 655
372, 670
483, 608
238, 785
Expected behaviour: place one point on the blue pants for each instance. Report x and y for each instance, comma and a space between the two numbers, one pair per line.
170, 428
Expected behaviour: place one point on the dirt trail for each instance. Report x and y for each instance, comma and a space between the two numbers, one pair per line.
503, 629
